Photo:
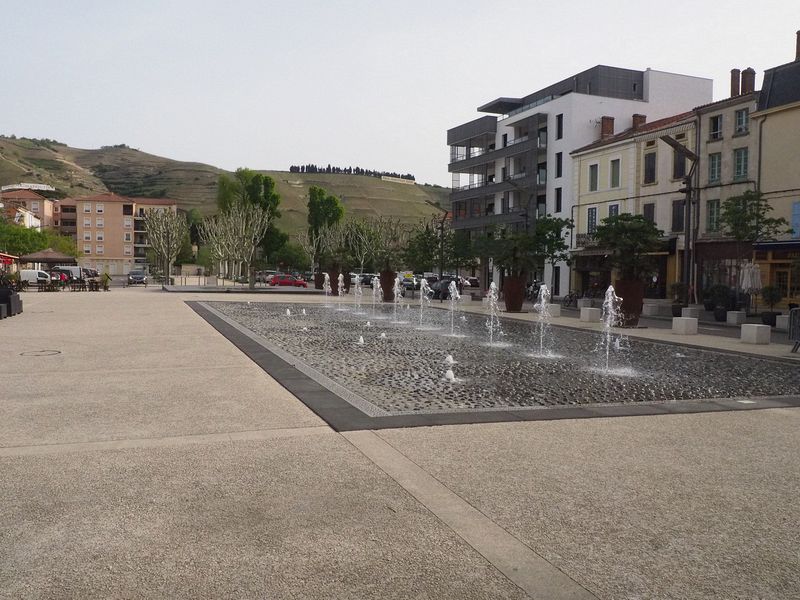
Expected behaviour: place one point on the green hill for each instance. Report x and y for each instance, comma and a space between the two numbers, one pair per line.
77, 172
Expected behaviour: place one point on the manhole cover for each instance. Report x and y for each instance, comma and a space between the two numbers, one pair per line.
40, 353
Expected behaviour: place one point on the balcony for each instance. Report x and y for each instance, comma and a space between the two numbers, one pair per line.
513, 147
482, 221
518, 181
586, 240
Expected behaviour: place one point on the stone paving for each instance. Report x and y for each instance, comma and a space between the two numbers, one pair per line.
403, 372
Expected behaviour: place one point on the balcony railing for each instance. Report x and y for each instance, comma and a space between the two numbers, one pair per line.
586, 240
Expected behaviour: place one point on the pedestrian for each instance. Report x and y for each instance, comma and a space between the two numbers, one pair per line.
106, 280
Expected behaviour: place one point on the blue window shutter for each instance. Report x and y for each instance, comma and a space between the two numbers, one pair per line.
796, 219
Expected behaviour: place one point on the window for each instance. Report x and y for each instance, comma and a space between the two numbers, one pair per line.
650, 167
558, 200
127, 209
99, 236
87, 236
56, 208
740, 163
99, 249
591, 220
677, 215
87, 207
35, 206
559, 164
678, 165
128, 250
128, 223
87, 221
559, 126
615, 173
613, 210
715, 127
742, 121
128, 236
594, 173
714, 167
649, 212
100, 208
795, 220
87, 248
100, 222
712, 215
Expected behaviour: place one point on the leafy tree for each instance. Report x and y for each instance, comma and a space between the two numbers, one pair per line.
19, 240
292, 256
324, 210
459, 250
551, 235
185, 253
423, 247
247, 186
629, 239
746, 219
274, 240
60, 243
194, 218
517, 254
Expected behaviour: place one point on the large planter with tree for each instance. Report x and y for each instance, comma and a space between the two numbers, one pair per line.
678, 290
721, 299
517, 255
389, 239
630, 241
771, 295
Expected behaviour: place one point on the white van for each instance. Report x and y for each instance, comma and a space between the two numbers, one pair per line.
34, 276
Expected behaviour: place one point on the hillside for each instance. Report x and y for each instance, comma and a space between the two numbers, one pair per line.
78, 172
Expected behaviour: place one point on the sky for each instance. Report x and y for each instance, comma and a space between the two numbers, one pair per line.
376, 84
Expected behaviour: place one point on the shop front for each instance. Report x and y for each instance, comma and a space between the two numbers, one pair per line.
780, 267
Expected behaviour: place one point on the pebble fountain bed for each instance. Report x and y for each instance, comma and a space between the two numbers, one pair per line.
385, 364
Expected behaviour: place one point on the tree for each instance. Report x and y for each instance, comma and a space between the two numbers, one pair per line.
390, 241
517, 254
292, 256
324, 210
362, 241
424, 247
274, 240
19, 240
194, 218
630, 239
166, 232
551, 234
247, 186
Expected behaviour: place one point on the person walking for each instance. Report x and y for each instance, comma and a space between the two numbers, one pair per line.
106, 280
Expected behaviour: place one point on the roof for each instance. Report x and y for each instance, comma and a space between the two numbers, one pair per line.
21, 195
501, 106
781, 86
112, 197
631, 132
48, 256
728, 101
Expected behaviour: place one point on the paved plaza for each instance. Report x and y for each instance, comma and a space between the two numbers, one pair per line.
144, 455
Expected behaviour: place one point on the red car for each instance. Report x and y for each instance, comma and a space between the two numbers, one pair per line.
290, 280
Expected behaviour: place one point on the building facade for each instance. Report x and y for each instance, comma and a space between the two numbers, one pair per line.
633, 172
109, 229
515, 163
41, 207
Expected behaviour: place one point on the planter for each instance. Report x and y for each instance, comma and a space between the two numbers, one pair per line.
514, 293
334, 275
387, 285
769, 317
319, 279
677, 310
708, 305
632, 294
721, 314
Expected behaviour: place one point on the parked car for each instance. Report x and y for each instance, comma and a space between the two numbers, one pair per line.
472, 281
137, 277
411, 283
33, 276
72, 271
287, 280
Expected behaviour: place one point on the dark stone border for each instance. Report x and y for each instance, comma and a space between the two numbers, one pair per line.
343, 416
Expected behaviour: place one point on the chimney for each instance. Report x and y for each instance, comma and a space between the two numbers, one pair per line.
735, 74
606, 127
748, 80
639, 120
797, 51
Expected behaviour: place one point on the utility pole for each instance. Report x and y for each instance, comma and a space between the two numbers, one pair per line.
687, 190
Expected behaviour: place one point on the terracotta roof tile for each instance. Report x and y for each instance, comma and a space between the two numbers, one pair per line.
631, 132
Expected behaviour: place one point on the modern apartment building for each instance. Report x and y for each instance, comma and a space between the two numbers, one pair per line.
515, 163
109, 229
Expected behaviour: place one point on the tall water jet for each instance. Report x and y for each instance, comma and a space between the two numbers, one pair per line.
612, 317
357, 294
340, 289
398, 294
377, 295
454, 298
326, 287
542, 307
493, 322
425, 294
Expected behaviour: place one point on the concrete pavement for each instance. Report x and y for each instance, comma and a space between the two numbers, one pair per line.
150, 459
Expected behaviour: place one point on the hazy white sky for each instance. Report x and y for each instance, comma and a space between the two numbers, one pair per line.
266, 84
